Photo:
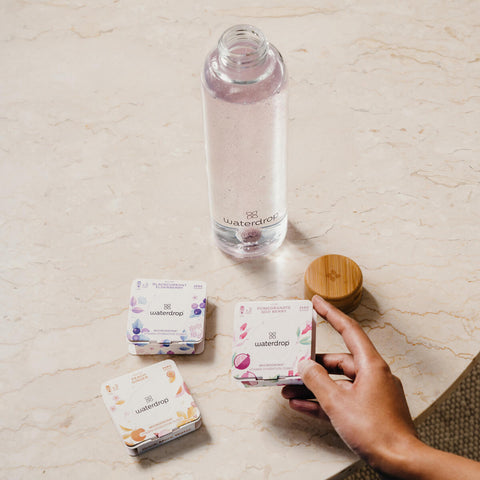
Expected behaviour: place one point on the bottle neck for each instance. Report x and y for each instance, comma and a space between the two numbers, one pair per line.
243, 53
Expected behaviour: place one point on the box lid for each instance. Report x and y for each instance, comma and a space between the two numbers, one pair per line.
336, 278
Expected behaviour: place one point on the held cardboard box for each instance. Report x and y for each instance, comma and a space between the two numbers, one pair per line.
270, 338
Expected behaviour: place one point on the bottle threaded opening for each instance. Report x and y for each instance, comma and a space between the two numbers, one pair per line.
242, 46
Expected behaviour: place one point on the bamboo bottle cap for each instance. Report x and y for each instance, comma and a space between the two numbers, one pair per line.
337, 279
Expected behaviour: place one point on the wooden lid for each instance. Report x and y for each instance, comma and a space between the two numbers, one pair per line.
337, 279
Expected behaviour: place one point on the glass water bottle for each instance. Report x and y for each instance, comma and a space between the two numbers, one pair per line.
244, 90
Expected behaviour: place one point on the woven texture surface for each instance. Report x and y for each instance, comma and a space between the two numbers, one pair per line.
453, 427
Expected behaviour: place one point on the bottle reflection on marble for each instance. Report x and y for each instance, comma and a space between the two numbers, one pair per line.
244, 90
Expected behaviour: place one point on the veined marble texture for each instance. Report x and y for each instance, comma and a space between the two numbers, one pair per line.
103, 180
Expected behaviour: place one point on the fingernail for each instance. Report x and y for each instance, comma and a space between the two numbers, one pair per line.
317, 298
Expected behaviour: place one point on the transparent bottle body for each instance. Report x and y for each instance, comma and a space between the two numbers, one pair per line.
245, 118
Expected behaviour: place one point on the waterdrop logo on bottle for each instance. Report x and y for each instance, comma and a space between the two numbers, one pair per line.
251, 220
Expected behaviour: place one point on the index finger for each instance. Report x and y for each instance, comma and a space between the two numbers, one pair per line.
354, 337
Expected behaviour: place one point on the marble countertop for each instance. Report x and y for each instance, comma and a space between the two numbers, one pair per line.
102, 160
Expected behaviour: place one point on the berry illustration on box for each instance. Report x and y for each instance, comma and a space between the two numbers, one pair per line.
198, 308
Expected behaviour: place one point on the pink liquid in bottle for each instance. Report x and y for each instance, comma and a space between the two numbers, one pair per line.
245, 115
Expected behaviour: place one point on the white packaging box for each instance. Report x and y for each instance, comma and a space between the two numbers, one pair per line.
166, 317
270, 338
151, 406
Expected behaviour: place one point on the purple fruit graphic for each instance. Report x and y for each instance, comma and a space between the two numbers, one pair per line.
136, 330
252, 383
241, 361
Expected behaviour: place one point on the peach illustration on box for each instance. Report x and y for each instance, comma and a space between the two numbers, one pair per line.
182, 390
189, 416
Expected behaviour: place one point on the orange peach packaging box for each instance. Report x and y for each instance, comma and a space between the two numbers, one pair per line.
151, 406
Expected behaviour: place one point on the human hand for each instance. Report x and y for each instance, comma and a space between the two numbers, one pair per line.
369, 410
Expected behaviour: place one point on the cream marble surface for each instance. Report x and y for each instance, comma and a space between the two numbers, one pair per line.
103, 180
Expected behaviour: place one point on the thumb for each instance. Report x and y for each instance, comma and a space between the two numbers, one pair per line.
317, 380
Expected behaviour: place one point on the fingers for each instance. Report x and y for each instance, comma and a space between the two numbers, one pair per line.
300, 399
317, 380
309, 407
301, 392
296, 391
354, 337
338, 364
